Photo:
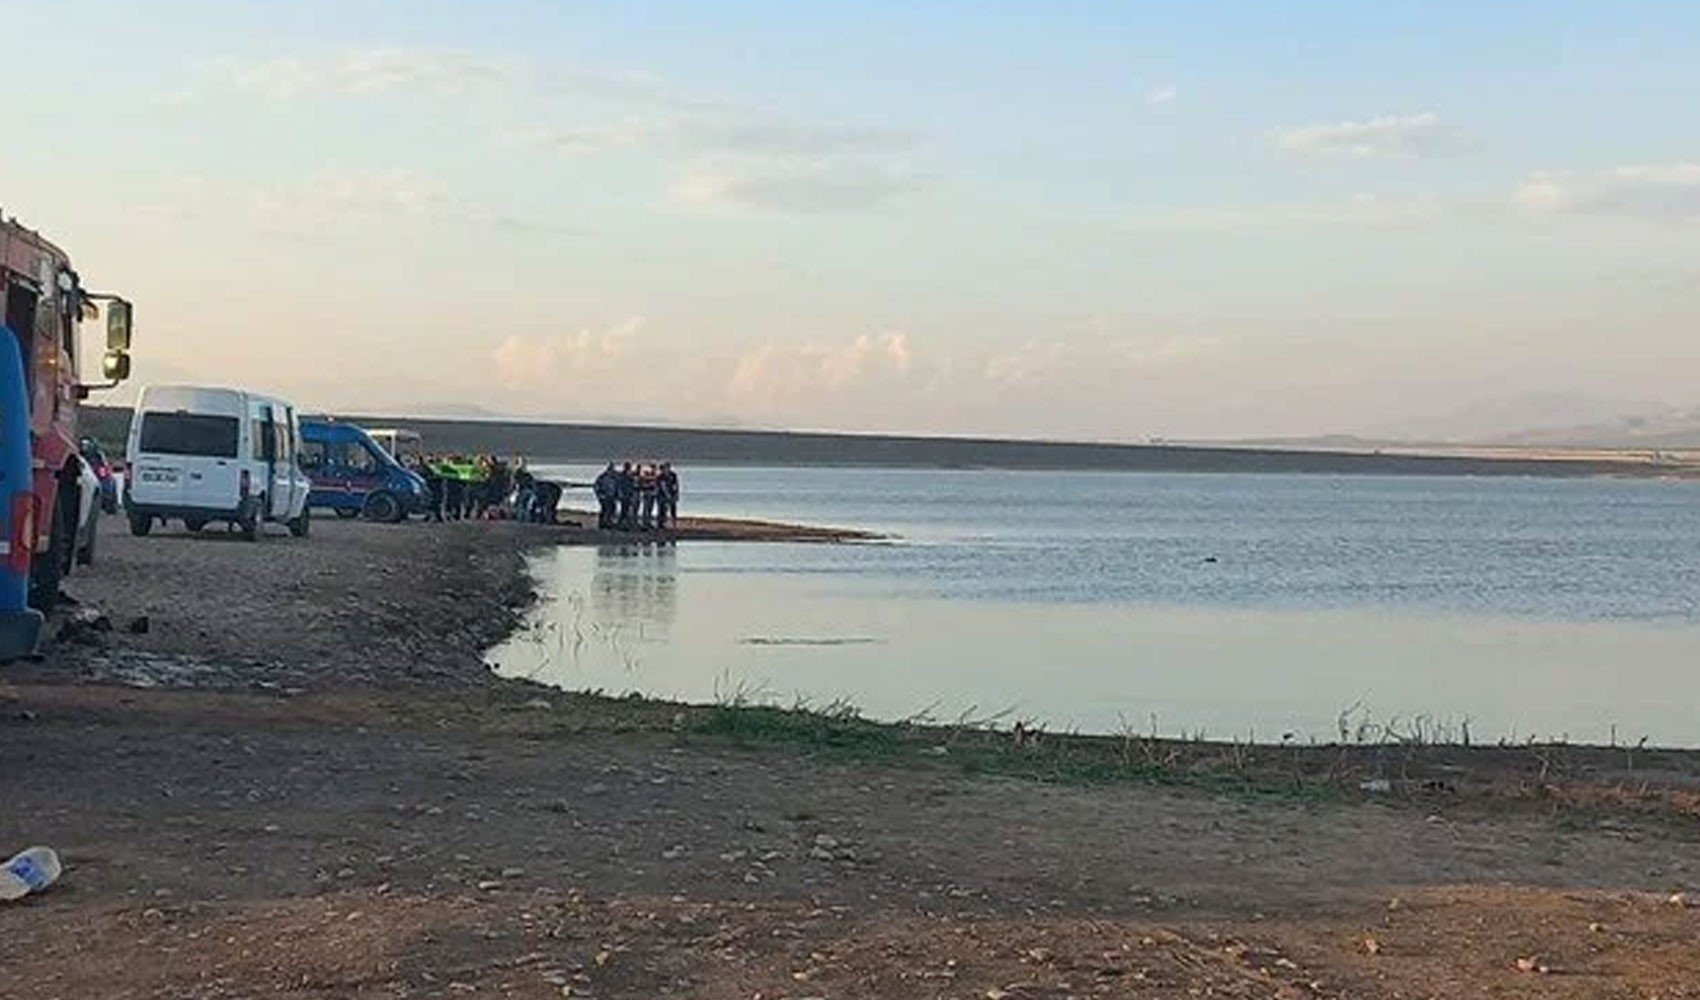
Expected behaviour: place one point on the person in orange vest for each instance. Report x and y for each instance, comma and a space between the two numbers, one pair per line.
648, 479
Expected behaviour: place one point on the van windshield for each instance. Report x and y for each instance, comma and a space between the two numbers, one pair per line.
189, 434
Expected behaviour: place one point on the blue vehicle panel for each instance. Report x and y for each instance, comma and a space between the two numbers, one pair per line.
20, 625
352, 475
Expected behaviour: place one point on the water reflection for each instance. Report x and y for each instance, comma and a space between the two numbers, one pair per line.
597, 628
636, 584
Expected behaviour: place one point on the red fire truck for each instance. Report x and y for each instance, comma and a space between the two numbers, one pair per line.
45, 303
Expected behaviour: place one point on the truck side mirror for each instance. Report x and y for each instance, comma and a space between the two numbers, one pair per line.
118, 327
116, 365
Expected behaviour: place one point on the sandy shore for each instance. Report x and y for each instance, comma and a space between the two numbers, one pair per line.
325, 794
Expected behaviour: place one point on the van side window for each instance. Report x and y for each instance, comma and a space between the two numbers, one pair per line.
356, 457
259, 438
312, 454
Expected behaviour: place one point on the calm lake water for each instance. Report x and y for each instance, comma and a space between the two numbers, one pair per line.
1232, 605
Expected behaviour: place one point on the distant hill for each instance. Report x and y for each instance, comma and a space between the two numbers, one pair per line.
543, 442
1669, 430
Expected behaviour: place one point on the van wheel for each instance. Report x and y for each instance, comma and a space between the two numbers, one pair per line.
140, 524
49, 567
249, 522
383, 506
85, 555
300, 525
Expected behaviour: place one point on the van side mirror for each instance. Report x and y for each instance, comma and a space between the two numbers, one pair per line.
116, 365
118, 327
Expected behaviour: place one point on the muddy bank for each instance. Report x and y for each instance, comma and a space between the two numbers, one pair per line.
353, 605
344, 845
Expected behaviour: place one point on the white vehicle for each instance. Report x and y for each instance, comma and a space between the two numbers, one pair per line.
200, 454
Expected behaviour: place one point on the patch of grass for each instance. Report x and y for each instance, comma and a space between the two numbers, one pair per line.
839, 731
981, 747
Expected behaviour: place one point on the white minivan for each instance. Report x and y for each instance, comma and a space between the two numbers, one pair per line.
199, 454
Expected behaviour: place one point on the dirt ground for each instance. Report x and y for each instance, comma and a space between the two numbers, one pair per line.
361, 811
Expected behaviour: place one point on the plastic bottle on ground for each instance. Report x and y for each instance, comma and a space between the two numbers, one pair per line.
28, 871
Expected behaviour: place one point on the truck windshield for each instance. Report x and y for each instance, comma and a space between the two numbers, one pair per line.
189, 434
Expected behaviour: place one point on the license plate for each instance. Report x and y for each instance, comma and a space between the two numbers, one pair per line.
159, 475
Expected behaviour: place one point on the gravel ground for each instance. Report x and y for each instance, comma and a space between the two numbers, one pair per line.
362, 811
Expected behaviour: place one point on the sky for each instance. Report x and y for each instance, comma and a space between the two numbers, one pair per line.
1096, 220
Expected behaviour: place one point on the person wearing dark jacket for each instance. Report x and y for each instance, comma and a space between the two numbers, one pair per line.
667, 498
625, 492
607, 489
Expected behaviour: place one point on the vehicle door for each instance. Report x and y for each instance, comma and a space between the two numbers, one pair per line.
188, 459
279, 463
300, 485
316, 465
361, 468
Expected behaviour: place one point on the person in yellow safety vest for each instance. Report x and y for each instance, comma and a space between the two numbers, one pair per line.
458, 476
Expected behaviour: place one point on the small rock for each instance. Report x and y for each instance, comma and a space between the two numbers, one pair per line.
345, 873
512, 872
595, 788
1372, 946
828, 842
488, 884
540, 705
1376, 786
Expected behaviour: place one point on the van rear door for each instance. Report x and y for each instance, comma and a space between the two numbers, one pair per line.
277, 425
187, 460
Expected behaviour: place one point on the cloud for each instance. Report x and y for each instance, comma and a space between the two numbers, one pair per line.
367, 71
533, 362
751, 135
1393, 137
1667, 192
438, 72
721, 153
776, 375
1162, 95
821, 185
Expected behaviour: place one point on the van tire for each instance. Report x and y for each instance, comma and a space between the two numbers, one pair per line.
140, 524
85, 555
248, 522
301, 525
383, 506
48, 568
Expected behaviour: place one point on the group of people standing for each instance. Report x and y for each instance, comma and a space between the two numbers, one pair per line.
637, 497
476, 487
